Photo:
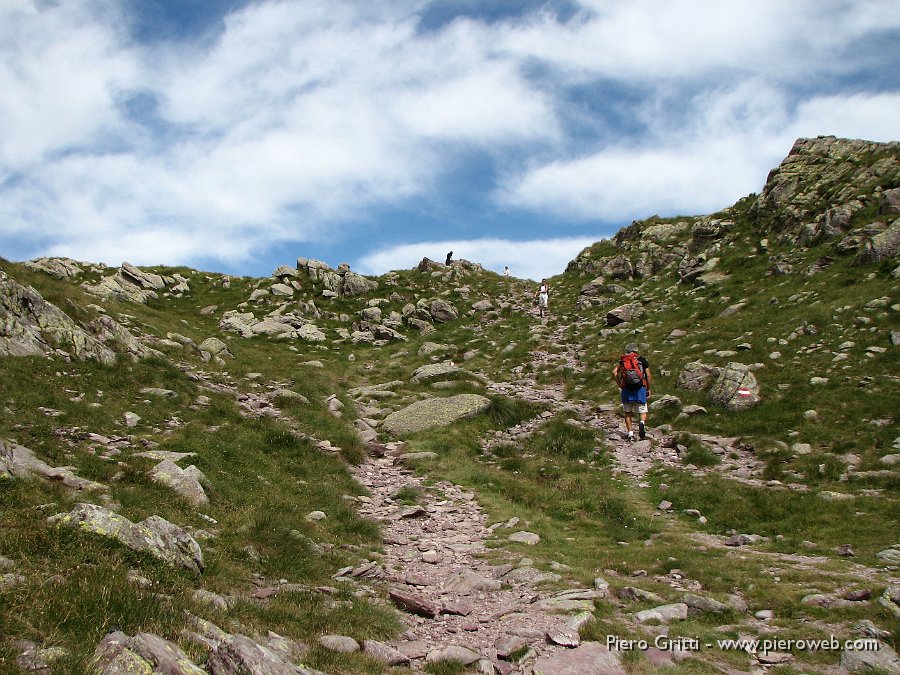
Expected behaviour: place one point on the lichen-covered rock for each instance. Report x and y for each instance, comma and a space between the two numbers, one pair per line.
239, 655
434, 412
431, 371
663, 614
882, 246
31, 326
619, 267
109, 331
129, 284
311, 333
735, 388
154, 535
420, 325
145, 653
185, 482
215, 347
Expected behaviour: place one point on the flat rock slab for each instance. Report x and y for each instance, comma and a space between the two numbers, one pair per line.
591, 658
663, 613
434, 371
19, 462
434, 412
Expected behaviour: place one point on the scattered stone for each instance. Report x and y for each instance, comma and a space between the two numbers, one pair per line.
529, 538
453, 654
663, 614
339, 643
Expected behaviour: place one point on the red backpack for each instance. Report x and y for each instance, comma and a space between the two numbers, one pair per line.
631, 372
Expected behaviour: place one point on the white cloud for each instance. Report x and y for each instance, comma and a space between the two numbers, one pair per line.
737, 136
647, 40
535, 259
300, 117
60, 72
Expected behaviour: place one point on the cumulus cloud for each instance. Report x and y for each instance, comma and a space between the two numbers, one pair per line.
295, 120
534, 259
737, 135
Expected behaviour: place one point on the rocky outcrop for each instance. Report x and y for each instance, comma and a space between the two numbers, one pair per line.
60, 268
277, 326
339, 282
434, 412
882, 246
131, 284
154, 535
31, 326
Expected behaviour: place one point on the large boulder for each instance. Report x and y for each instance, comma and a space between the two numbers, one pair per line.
433, 371
31, 326
434, 412
241, 323
154, 535
442, 311
735, 388
356, 284
696, 376
624, 314
185, 482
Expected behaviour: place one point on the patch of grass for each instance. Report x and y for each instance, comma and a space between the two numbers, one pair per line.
697, 453
796, 516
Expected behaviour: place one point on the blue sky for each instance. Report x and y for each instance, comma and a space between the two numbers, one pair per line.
236, 135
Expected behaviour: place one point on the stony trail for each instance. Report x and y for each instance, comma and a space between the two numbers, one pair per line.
434, 551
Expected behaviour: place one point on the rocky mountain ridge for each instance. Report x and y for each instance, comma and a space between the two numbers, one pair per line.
416, 472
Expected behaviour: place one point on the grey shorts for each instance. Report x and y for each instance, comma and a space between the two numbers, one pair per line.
635, 407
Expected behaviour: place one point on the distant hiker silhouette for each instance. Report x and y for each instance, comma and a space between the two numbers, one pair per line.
543, 297
449, 258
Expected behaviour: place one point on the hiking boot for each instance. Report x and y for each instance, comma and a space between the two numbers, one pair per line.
641, 431
630, 436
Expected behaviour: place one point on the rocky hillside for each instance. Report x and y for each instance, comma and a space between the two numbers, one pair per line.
320, 471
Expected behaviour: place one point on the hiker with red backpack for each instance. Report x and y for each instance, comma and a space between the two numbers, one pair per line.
632, 375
